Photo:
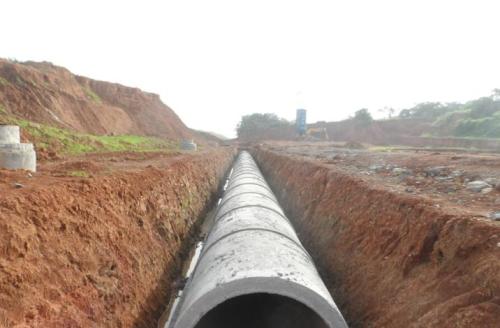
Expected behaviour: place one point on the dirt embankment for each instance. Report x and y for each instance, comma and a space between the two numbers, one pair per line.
390, 259
405, 132
101, 251
375, 132
45, 93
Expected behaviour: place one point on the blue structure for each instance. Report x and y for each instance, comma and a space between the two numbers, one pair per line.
300, 122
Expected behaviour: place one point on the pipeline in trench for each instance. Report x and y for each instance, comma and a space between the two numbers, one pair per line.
251, 270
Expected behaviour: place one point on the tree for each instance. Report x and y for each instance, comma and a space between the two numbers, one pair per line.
428, 111
389, 111
495, 94
254, 125
483, 107
405, 113
363, 116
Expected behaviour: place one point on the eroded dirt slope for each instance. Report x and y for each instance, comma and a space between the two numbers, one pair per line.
391, 259
45, 93
100, 250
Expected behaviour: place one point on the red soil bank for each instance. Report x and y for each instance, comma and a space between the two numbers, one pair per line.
45, 93
100, 251
391, 260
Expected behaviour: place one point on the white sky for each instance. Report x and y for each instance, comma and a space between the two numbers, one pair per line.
213, 61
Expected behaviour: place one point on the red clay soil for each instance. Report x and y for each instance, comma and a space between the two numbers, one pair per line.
100, 251
390, 259
446, 187
45, 93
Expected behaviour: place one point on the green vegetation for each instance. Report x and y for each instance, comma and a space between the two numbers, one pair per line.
69, 142
3, 81
20, 81
479, 118
3, 110
363, 116
383, 149
255, 124
92, 95
79, 173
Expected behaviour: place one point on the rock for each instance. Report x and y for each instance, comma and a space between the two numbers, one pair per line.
389, 167
495, 216
491, 181
475, 177
457, 174
410, 190
435, 171
451, 189
401, 171
18, 185
477, 186
486, 190
376, 167
441, 179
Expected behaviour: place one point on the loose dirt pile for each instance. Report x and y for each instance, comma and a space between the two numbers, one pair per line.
391, 259
100, 251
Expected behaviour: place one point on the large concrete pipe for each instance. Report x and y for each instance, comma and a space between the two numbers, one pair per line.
253, 270
10, 134
14, 154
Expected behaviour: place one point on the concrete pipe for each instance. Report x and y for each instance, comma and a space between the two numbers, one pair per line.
10, 134
18, 156
253, 270
188, 145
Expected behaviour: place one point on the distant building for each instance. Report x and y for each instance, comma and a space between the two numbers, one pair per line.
301, 123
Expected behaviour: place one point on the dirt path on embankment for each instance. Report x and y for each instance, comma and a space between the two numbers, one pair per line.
97, 241
390, 258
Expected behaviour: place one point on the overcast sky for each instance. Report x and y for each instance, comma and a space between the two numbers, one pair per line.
213, 61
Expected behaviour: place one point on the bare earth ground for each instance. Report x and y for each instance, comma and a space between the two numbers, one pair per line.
97, 240
398, 238
441, 176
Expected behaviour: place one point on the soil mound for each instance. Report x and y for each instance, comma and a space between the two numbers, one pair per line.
45, 93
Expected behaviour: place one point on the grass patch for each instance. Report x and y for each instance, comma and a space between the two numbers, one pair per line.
3, 81
3, 110
79, 174
92, 95
20, 81
383, 149
65, 141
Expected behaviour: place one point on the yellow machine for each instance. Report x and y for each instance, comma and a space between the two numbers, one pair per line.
317, 133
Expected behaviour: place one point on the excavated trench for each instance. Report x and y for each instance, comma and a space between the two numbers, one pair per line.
251, 270
102, 251
106, 251
389, 259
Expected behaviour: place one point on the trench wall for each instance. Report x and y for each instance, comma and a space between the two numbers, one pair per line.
389, 259
103, 251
